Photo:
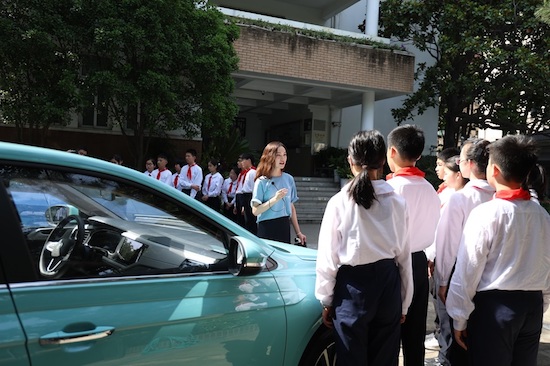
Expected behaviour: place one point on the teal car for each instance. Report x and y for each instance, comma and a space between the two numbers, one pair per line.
103, 265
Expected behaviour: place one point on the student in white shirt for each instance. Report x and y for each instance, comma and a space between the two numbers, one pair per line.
191, 174
162, 173
244, 192
405, 146
364, 276
212, 186
149, 167
176, 177
473, 163
228, 193
501, 285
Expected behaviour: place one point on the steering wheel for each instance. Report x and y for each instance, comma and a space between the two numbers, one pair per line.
59, 246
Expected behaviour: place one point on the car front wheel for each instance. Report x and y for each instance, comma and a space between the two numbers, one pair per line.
320, 350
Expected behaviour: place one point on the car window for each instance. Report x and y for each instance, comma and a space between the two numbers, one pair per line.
78, 225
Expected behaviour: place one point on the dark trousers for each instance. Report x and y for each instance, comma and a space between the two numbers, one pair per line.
249, 218
213, 203
505, 327
275, 229
367, 304
413, 331
238, 208
228, 212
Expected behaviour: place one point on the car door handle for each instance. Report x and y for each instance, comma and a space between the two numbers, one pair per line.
58, 338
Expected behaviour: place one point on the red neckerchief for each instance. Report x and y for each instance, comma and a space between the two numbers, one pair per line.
513, 194
441, 187
160, 171
408, 171
209, 181
176, 181
189, 170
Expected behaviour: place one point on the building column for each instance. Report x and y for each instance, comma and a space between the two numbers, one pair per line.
367, 111
371, 24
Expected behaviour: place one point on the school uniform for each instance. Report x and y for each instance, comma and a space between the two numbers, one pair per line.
191, 175
274, 223
501, 284
423, 207
229, 188
176, 177
246, 192
212, 187
364, 272
148, 173
164, 175
238, 201
447, 240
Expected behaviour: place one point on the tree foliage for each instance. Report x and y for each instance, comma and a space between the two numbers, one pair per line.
152, 66
38, 65
162, 65
543, 13
491, 63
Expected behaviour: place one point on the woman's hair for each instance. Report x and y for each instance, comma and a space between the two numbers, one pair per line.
366, 150
267, 161
478, 153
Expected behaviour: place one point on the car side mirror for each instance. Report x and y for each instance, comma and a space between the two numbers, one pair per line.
245, 257
54, 214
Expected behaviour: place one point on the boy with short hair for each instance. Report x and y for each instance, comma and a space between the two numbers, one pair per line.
162, 173
405, 146
501, 284
191, 174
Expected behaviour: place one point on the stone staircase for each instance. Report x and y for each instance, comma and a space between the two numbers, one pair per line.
313, 194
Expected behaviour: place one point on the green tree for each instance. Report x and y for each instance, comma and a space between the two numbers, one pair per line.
38, 65
543, 13
491, 63
159, 66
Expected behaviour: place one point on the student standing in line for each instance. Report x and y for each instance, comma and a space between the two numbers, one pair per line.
176, 177
238, 209
444, 191
191, 174
455, 182
473, 161
405, 146
149, 167
274, 196
249, 170
162, 173
501, 286
212, 186
228, 193
364, 274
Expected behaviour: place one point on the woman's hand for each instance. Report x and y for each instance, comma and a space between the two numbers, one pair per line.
281, 193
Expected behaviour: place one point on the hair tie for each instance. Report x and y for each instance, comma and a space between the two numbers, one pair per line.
364, 166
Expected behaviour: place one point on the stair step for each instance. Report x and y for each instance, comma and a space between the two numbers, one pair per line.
313, 194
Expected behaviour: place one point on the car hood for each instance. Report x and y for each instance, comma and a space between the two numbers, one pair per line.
307, 254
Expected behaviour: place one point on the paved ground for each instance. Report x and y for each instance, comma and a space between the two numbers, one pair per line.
312, 233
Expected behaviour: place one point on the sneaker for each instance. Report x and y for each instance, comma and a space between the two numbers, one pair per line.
431, 342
